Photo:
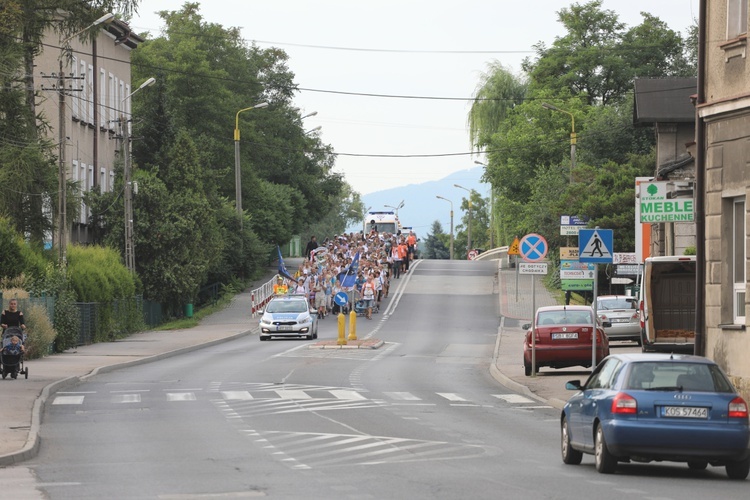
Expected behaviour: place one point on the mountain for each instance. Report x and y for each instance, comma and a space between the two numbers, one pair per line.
421, 207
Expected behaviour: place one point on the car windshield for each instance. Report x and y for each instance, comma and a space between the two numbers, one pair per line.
286, 306
618, 303
677, 376
564, 317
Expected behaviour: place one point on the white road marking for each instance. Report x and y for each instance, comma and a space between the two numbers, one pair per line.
348, 395
180, 396
236, 395
402, 396
287, 394
514, 398
68, 400
450, 396
126, 398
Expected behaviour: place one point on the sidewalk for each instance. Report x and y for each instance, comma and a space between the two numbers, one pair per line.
548, 386
22, 402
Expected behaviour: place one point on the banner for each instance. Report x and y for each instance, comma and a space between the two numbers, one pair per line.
349, 275
282, 269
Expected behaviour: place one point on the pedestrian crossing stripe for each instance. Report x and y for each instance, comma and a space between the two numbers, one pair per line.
595, 245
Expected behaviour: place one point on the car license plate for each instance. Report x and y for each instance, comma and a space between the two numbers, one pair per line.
619, 320
684, 412
562, 336
284, 328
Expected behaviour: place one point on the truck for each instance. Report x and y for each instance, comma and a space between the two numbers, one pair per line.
667, 304
383, 222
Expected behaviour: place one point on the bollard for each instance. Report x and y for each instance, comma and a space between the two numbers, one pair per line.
352, 325
342, 328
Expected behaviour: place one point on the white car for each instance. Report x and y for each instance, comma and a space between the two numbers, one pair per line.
621, 311
289, 316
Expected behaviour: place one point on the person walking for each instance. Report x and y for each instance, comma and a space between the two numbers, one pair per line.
311, 245
12, 316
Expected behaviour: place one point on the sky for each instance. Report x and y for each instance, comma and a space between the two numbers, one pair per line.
414, 48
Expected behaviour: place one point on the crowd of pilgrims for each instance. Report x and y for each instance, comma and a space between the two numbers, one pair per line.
361, 265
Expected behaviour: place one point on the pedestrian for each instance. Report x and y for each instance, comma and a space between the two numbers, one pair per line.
311, 245
368, 295
12, 316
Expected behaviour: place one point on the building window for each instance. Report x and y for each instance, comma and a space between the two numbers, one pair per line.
738, 260
76, 86
103, 114
736, 18
84, 93
92, 110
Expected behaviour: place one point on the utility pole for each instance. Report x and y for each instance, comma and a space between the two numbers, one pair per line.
126, 178
62, 183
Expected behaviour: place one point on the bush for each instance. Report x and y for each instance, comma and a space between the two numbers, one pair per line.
40, 333
67, 321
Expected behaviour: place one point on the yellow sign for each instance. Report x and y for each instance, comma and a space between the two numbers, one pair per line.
513, 249
569, 253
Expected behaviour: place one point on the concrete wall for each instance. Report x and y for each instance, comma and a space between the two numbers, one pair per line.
83, 108
727, 159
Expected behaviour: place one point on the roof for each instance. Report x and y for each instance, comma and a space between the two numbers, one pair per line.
664, 100
123, 34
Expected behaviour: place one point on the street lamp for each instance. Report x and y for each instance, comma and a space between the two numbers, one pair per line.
572, 136
469, 231
399, 207
126, 174
449, 201
308, 115
237, 174
62, 181
492, 208
313, 129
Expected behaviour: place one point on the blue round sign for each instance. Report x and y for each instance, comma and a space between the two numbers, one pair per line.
533, 247
341, 299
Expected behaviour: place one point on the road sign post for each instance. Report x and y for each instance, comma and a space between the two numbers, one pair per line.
595, 246
533, 248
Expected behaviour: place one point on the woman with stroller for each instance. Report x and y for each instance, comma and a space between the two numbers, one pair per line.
12, 316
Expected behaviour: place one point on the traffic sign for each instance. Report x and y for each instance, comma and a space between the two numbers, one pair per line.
513, 249
532, 267
533, 247
340, 299
595, 245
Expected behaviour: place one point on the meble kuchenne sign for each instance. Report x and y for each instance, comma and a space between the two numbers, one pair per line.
656, 207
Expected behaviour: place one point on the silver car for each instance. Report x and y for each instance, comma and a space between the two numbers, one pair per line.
621, 311
289, 316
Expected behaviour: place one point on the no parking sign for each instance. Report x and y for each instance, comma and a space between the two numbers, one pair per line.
533, 247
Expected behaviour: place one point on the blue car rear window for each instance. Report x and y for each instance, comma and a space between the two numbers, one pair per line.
677, 376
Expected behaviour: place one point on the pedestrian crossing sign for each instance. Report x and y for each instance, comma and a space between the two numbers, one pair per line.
513, 249
595, 245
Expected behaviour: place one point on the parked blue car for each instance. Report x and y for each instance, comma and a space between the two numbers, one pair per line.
657, 407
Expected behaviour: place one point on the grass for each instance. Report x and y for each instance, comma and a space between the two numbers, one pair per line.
198, 315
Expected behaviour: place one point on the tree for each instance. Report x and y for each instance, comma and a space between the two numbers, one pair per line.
177, 236
434, 245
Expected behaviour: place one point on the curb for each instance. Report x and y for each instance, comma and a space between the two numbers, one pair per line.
31, 447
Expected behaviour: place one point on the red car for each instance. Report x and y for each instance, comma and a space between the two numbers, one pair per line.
563, 338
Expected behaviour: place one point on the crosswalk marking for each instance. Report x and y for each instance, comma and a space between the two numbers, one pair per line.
348, 395
450, 396
238, 395
402, 396
514, 398
126, 398
68, 400
286, 394
180, 396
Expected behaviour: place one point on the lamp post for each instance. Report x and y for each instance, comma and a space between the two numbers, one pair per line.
128, 184
572, 136
399, 207
492, 209
449, 201
469, 230
237, 174
62, 181
313, 130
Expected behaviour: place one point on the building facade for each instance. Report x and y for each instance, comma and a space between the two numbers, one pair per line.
724, 114
87, 119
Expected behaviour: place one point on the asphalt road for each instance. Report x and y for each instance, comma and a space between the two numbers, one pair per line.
421, 417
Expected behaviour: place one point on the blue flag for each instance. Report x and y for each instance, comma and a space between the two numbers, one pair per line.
282, 269
349, 275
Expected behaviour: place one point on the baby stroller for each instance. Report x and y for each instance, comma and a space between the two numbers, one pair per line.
361, 310
12, 363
